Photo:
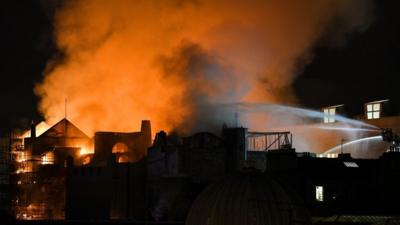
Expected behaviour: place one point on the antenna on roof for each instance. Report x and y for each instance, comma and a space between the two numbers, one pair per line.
65, 122
236, 115
65, 108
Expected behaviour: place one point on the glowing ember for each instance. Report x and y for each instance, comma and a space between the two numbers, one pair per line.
120, 148
34, 211
85, 151
123, 159
24, 164
21, 156
40, 129
48, 158
86, 160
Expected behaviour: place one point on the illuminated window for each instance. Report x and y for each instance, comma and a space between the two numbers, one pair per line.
86, 160
319, 193
373, 111
48, 158
123, 159
120, 147
351, 164
329, 115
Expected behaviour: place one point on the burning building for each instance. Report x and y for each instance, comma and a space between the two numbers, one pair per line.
4, 173
55, 144
128, 147
40, 169
112, 185
128, 177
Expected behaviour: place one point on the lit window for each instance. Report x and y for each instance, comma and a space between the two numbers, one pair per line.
351, 164
319, 193
331, 155
123, 159
329, 115
120, 147
373, 111
48, 158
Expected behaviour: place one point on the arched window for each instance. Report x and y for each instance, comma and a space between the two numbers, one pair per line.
120, 147
123, 159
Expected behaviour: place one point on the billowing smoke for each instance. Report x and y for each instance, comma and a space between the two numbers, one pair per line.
175, 62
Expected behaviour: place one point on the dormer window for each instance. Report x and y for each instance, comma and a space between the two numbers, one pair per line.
373, 110
330, 113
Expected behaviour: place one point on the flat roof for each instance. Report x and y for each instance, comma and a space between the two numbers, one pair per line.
332, 106
378, 101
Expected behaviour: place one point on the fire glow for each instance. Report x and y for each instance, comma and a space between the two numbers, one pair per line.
85, 151
48, 158
40, 129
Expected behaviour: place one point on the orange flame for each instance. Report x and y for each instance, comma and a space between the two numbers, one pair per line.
172, 61
40, 129
85, 151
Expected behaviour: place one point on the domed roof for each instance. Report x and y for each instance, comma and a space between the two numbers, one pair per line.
247, 198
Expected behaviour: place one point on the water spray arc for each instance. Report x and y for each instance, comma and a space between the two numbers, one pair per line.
336, 148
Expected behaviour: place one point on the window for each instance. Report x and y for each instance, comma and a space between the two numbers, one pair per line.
351, 164
123, 159
120, 147
319, 193
329, 115
48, 158
373, 110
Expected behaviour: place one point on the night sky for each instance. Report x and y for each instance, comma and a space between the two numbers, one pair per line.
364, 69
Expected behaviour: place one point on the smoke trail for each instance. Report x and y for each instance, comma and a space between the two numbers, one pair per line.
204, 82
172, 61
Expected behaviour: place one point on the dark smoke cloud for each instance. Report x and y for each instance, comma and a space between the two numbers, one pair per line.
206, 82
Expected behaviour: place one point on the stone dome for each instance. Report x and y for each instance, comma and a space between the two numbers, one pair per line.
247, 198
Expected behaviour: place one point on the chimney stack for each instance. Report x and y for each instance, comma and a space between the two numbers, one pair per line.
146, 132
33, 130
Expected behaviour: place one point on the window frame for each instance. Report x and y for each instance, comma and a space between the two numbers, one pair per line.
319, 193
329, 114
373, 112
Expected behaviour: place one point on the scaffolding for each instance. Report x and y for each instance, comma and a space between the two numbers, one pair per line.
5, 173
268, 141
22, 179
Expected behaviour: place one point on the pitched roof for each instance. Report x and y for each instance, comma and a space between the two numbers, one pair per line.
64, 128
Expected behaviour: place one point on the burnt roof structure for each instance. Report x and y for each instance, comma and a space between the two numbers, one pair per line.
64, 128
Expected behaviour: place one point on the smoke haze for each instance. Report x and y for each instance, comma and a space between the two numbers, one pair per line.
175, 62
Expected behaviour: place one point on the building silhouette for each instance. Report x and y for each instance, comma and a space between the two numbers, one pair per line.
64, 175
